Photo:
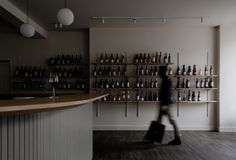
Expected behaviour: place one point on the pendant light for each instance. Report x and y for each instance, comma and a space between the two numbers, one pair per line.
26, 29
65, 16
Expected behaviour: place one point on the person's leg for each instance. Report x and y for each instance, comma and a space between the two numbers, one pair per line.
177, 140
159, 119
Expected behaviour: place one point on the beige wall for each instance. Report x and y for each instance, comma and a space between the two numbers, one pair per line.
192, 43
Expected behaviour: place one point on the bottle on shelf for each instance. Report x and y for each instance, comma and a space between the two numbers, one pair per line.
117, 58
123, 96
127, 83
153, 58
137, 71
206, 83
179, 96
202, 84
198, 96
197, 83
137, 83
194, 69
205, 71
141, 83
160, 60
187, 83
157, 58
169, 58
178, 83
144, 58
137, 97
142, 70
156, 96
112, 84
107, 84
136, 59
183, 70
112, 58
183, 84
165, 58
117, 84
189, 96
101, 59
211, 70
189, 70
123, 58
156, 71
119, 71
106, 58
151, 84
146, 71
146, 84
193, 96
151, 71
141, 96
156, 83
211, 83
127, 96
114, 71
178, 72
141, 58
184, 96
125, 71
122, 83
149, 58
170, 72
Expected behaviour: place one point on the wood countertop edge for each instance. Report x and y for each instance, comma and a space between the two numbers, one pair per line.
47, 106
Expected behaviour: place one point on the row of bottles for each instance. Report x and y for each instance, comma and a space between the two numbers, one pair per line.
151, 71
153, 58
193, 71
30, 72
121, 96
112, 84
140, 83
147, 96
184, 96
110, 71
200, 83
110, 58
70, 85
65, 59
29, 84
68, 72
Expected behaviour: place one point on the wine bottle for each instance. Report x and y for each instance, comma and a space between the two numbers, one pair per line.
189, 96
137, 97
141, 83
114, 71
125, 70
160, 58
123, 96
184, 96
156, 71
127, 83
146, 83
156, 83
142, 71
151, 71
149, 58
178, 83
193, 96
183, 70
211, 83
112, 84
157, 58
141, 58
183, 84
187, 83
211, 70
146, 71
179, 96
101, 58
156, 96
127, 96
137, 71
170, 72
151, 84
194, 69
178, 72
117, 84
206, 83
202, 84
153, 58
142, 96
106, 58
144, 58
123, 58
197, 83
205, 71
165, 58
117, 58
137, 83
119, 71
122, 83
106, 84
198, 96
136, 59
112, 58
169, 58
189, 70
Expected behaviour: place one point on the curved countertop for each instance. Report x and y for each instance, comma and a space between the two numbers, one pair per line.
32, 104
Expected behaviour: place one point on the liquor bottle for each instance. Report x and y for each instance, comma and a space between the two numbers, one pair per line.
99, 71
101, 84
118, 71
141, 71
160, 58
211, 70
183, 70
112, 58
151, 71
146, 83
178, 72
123, 58
202, 84
112, 84
187, 83
156, 71
125, 70
141, 58
165, 58
65, 73
136, 59
117, 58
127, 83
211, 83
169, 58
123, 96
127, 96
114, 71
184, 96
149, 58
197, 83
141, 83
179, 96
114, 97
122, 83
117, 84
137, 83
109, 71
106, 59
151, 84
200, 72
183, 84
193, 96
194, 69
189, 70
206, 83
137, 97
144, 58
146, 71
137, 71
205, 71
189, 96
198, 96
156, 96
156, 83
170, 72
104, 71
141, 96
101, 59
178, 83
157, 58
119, 97
153, 58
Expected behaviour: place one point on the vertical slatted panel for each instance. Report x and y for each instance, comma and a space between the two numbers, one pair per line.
31, 136
35, 136
4, 138
16, 137
0, 137
27, 139
10, 141
22, 137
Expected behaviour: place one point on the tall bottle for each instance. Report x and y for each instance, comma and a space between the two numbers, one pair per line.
183, 70
123, 58
179, 96
146, 71
165, 58
197, 83
211, 83
178, 72
206, 83
189, 96
112, 58
205, 71
156, 83
169, 58
193, 96
136, 59
189, 70
187, 83
194, 69
198, 96
106, 58
117, 58
101, 58
178, 83
211, 70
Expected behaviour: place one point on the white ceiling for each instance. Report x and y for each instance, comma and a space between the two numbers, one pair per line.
218, 11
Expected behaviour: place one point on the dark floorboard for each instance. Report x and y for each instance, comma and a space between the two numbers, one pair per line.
128, 145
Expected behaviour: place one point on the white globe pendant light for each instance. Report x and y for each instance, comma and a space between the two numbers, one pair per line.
65, 16
26, 29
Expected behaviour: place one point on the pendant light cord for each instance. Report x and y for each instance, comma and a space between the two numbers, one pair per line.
65, 3
27, 11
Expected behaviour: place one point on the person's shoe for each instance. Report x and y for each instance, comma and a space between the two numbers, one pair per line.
176, 141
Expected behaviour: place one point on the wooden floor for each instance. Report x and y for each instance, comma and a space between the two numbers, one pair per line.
128, 145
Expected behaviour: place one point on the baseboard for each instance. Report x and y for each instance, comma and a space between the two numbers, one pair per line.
227, 129
145, 127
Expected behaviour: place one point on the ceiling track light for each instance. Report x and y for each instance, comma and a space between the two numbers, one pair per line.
26, 29
162, 19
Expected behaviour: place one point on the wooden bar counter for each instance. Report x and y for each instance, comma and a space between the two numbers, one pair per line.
31, 104
40, 128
